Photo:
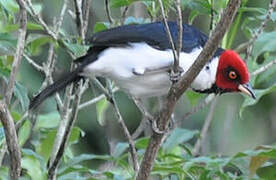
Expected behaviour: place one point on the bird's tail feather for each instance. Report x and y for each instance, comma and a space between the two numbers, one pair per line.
67, 79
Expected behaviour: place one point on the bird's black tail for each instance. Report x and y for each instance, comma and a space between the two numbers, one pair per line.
67, 79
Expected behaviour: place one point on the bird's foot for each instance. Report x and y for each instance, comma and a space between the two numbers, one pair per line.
157, 130
175, 76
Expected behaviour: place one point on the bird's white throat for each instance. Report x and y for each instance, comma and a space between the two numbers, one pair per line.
142, 70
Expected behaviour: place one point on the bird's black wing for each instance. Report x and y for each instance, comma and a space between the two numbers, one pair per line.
153, 34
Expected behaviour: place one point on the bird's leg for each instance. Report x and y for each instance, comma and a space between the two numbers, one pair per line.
148, 116
175, 76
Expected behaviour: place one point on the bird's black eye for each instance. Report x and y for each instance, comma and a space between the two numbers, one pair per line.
207, 67
232, 75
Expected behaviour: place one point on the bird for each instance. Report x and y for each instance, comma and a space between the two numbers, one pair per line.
139, 58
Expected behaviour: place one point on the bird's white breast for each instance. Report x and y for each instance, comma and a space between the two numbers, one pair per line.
142, 71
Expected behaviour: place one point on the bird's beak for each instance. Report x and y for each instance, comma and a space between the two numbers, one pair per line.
247, 89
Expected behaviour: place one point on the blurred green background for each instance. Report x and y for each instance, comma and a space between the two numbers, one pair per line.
235, 126
228, 134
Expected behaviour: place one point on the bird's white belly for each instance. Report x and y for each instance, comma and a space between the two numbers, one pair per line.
141, 70
150, 85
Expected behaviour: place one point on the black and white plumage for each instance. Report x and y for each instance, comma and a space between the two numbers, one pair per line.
138, 58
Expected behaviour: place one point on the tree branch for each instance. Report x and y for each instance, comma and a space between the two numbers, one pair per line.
12, 142
180, 36
263, 68
86, 8
79, 18
53, 167
180, 87
175, 55
107, 9
5, 116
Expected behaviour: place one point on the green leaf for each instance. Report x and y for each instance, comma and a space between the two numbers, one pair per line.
100, 26
50, 120
83, 157
177, 137
34, 164
4, 173
36, 41
46, 144
194, 97
7, 44
33, 168
267, 172
101, 108
10, 5
77, 49
76, 133
142, 143
193, 14
24, 133
120, 3
268, 151
252, 9
22, 95
265, 43
259, 94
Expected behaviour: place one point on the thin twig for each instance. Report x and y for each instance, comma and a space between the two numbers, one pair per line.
181, 86
263, 68
61, 17
65, 115
131, 143
53, 167
169, 34
79, 18
95, 100
86, 10
33, 63
124, 14
39, 19
205, 128
180, 36
107, 9
200, 106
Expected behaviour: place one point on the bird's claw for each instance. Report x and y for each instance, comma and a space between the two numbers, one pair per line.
157, 130
175, 76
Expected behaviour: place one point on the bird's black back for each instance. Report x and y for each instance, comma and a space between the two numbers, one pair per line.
153, 34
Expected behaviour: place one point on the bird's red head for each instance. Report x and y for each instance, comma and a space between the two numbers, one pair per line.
232, 73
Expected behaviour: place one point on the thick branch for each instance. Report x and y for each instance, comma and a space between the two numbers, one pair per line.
12, 142
5, 116
181, 86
